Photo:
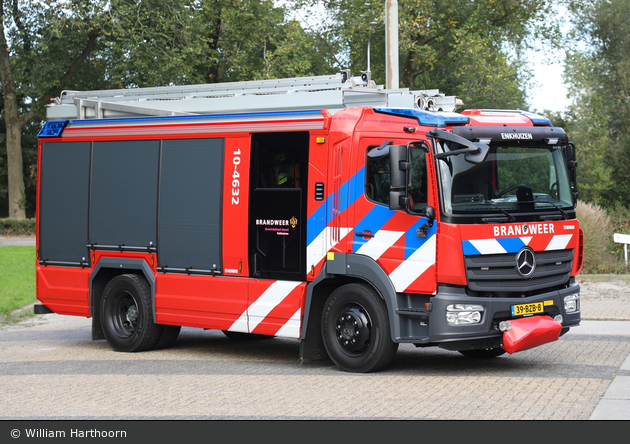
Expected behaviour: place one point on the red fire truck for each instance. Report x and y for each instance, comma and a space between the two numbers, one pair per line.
327, 209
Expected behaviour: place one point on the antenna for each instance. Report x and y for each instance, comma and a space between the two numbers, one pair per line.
372, 26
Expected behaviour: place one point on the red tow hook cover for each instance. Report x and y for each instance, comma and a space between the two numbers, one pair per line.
530, 332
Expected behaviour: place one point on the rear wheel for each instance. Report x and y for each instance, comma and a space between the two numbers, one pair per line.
355, 329
127, 316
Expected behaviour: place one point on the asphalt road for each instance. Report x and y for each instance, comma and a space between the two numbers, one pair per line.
50, 369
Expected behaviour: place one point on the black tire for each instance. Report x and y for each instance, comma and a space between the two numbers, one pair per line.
483, 353
127, 316
167, 337
355, 329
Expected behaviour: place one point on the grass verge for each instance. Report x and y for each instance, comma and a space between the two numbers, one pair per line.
17, 282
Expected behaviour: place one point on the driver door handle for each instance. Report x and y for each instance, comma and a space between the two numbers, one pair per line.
367, 234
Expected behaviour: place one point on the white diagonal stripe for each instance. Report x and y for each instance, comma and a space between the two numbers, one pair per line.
559, 242
315, 251
267, 301
380, 243
292, 328
411, 269
488, 246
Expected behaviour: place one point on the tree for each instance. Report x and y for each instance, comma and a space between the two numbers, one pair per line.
42, 49
101, 44
598, 74
212, 41
466, 48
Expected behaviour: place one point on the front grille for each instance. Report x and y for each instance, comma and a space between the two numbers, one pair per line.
497, 273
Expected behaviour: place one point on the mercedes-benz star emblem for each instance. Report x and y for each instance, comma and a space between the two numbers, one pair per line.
526, 262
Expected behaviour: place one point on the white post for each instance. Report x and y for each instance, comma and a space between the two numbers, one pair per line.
372, 26
391, 44
625, 240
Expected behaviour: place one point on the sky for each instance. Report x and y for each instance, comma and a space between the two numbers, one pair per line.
551, 92
548, 95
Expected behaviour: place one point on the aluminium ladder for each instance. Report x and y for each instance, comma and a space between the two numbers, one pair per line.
332, 92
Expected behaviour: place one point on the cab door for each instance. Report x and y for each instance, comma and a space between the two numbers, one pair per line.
400, 241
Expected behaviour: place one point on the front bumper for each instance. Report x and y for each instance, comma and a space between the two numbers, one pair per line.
486, 334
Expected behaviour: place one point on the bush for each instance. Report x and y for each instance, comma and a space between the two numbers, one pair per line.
599, 254
17, 227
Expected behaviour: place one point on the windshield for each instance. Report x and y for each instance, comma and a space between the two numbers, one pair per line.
510, 180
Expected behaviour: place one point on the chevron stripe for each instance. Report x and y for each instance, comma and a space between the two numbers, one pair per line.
513, 244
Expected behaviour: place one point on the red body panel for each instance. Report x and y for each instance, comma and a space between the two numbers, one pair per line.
235, 205
64, 290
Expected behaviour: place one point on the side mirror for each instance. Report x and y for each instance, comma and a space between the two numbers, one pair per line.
398, 166
398, 200
479, 156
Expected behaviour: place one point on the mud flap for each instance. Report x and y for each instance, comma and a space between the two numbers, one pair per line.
530, 332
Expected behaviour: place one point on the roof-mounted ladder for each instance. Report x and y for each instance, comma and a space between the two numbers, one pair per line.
333, 92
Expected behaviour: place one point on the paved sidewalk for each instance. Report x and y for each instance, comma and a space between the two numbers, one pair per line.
606, 311
17, 241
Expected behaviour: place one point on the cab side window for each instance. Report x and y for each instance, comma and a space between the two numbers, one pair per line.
378, 182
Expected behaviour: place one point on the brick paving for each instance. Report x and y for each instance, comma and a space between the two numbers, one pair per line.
605, 297
50, 369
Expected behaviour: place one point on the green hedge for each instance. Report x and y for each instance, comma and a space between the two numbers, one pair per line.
17, 227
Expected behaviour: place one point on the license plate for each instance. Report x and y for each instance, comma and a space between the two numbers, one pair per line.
533, 308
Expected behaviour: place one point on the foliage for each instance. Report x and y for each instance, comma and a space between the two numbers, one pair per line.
17, 280
599, 252
464, 48
209, 41
598, 74
17, 227
43, 49
102, 44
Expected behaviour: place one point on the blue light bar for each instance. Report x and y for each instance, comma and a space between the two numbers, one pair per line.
537, 120
427, 118
53, 128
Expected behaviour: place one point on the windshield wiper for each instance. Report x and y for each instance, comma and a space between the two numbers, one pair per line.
495, 219
564, 213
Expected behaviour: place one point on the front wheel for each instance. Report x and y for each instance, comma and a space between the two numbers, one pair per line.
127, 316
355, 329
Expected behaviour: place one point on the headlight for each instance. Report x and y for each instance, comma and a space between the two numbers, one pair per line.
572, 303
463, 314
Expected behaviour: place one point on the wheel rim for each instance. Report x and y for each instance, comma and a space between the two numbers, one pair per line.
353, 329
125, 315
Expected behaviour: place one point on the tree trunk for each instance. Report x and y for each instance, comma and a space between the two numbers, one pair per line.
17, 201
14, 125
17, 198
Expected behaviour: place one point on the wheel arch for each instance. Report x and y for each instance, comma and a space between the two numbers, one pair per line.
105, 270
343, 269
